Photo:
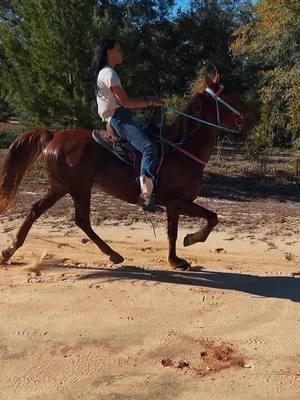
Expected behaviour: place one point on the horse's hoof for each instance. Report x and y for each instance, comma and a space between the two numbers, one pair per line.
197, 237
181, 264
116, 258
4, 257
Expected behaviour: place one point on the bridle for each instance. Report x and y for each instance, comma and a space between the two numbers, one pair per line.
218, 99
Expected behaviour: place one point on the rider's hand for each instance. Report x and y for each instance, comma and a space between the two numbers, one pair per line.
155, 102
158, 103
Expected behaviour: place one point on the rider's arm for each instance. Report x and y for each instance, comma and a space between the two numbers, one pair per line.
127, 102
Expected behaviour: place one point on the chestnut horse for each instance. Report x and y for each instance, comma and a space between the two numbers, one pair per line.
75, 162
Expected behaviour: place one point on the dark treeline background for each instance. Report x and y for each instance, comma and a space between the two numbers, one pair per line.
46, 48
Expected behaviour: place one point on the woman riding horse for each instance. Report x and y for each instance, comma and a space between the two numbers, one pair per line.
75, 162
113, 104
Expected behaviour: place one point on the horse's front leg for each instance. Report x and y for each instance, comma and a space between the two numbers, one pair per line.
173, 218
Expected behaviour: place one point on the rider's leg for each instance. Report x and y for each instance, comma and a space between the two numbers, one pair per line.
128, 130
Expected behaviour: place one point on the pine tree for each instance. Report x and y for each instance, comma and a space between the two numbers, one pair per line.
48, 50
47, 56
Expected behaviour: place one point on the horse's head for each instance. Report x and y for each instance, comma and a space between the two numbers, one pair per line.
227, 111
235, 114
230, 111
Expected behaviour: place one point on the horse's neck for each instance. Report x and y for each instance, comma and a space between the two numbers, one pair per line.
201, 138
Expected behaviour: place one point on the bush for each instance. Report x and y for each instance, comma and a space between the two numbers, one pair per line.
296, 156
8, 137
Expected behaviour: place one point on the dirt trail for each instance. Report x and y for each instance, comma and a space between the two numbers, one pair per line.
81, 328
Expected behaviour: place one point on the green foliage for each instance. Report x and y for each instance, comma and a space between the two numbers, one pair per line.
47, 55
296, 149
281, 91
176, 101
270, 44
8, 137
261, 139
46, 50
8, 11
272, 38
5, 109
296, 156
165, 53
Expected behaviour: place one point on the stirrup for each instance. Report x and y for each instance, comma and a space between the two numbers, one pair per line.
149, 205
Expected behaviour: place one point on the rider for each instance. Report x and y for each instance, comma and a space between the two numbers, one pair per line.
113, 104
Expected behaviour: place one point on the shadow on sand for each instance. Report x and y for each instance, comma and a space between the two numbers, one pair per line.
247, 188
280, 287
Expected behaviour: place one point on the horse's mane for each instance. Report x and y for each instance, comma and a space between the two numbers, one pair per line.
182, 126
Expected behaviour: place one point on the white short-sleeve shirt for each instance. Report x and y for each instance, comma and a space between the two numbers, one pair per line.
106, 101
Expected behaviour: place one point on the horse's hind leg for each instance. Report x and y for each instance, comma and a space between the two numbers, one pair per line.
82, 219
37, 209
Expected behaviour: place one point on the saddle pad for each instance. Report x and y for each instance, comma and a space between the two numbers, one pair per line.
118, 149
124, 151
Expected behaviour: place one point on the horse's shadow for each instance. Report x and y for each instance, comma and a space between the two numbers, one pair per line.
280, 287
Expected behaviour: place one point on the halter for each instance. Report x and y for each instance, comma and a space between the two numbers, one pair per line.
218, 99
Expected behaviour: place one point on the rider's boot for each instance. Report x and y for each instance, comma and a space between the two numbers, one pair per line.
147, 196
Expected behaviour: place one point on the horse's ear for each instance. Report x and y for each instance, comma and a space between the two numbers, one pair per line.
212, 77
209, 83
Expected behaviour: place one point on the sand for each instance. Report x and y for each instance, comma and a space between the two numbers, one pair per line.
73, 326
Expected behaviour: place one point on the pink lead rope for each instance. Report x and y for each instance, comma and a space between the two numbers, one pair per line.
185, 152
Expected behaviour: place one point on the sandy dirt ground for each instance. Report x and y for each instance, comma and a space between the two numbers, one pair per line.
80, 328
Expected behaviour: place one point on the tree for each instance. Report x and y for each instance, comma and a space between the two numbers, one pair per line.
8, 11
48, 48
46, 55
271, 42
8, 15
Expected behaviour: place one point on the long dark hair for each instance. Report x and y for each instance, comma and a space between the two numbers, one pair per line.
100, 59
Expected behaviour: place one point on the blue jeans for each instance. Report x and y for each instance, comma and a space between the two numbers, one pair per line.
128, 130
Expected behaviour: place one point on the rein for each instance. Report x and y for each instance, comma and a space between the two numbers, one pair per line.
198, 119
218, 99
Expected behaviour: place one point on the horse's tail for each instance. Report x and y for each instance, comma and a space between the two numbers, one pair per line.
21, 154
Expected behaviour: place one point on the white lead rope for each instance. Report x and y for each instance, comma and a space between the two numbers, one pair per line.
202, 121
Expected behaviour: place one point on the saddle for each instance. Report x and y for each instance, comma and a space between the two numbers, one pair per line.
108, 139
